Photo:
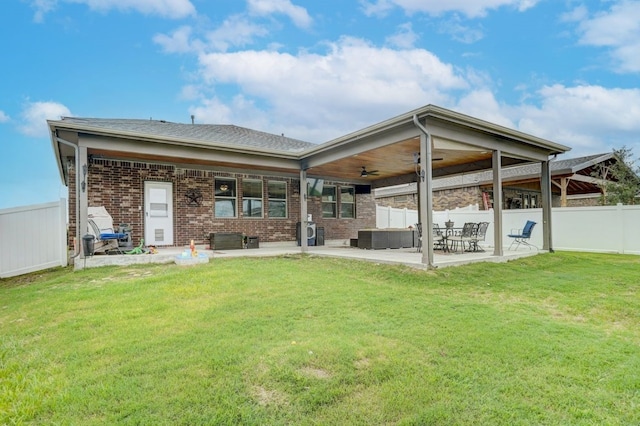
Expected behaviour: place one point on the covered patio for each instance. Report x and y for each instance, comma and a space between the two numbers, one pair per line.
434, 142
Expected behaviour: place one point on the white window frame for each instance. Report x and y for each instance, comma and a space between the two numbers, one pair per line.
253, 198
352, 203
278, 200
334, 202
218, 195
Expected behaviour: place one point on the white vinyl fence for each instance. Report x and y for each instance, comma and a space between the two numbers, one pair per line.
605, 229
33, 238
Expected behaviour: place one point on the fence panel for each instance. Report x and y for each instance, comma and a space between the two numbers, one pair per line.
603, 229
33, 238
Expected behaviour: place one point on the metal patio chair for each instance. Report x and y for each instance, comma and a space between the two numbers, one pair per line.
523, 236
466, 236
106, 239
481, 234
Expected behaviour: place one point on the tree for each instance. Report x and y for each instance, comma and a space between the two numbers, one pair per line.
620, 181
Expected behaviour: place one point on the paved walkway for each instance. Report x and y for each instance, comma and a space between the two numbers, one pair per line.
408, 257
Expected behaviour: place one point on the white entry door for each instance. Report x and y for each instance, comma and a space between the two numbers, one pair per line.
158, 213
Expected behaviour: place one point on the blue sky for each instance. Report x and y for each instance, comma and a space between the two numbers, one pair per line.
564, 70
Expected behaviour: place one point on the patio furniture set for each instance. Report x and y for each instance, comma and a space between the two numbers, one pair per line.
450, 239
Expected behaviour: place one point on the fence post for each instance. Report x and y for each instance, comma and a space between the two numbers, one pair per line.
621, 227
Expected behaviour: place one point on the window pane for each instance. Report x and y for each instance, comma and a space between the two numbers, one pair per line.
277, 208
347, 202
329, 205
277, 190
347, 195
225, 187
252, 208
328, 210
158, 210
252, 189
329, 194
225, 208
347, 211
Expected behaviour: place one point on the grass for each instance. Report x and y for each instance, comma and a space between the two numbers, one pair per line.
553, 339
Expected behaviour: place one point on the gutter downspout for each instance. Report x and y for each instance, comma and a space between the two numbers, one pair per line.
425, 190
77, 167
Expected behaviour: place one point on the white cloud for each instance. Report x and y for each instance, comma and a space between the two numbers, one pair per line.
352, 79
470, 8
179, 41
3, 117
619, 30
379, 8
35, 114
575, 15
42, 7
588, 118
459, 31
297, 14
234, 31
404, 38
174, 9
481, 103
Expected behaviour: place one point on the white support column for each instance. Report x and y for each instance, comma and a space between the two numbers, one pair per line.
304, 242
425, 186
497, 203
82, 198
545, 187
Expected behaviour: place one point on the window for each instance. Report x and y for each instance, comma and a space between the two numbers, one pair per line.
347, 202
277, 195
252, 198
329, 201
225, 197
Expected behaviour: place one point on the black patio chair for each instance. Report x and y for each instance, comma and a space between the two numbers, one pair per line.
523, 236
466, 236
438, 238
481, 234
419, 231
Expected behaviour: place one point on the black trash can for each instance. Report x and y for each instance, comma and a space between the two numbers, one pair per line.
88, 244
253, 242
320, 236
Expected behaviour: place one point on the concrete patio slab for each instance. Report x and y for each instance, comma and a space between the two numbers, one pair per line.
407, 256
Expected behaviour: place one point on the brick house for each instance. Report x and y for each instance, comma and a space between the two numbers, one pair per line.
572, 186
174, 182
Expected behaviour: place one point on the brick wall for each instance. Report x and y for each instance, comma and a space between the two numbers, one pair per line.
406, 201
119, 187
449, 199
442, 200
462, 197
585, 202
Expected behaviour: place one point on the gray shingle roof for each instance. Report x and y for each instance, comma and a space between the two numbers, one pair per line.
205, 134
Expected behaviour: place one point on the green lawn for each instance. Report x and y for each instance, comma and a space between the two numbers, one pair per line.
553, 339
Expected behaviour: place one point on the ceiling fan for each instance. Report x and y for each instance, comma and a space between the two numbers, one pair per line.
365, 173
